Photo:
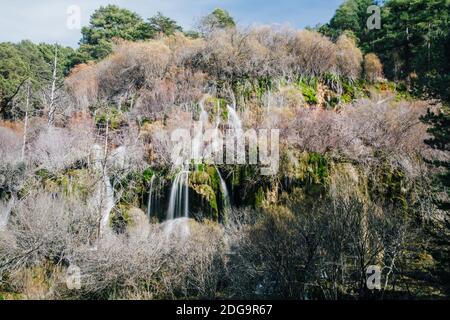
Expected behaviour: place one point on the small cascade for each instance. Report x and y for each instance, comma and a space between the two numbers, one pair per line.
105, 193
178, 212
224, 191
5, 212
109, 203
218, 116
233, 118
179, 197
150, 197
197, 142
203, 114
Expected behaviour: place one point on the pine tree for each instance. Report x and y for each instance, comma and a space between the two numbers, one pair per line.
440, 228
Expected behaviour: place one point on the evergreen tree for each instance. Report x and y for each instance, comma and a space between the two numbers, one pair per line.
27, 62
218, 19
107, 23
440, 228
162, 24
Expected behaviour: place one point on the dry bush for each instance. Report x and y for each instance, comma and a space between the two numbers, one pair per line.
278, 58
56, 149
390, 130
373, 68
132, 65
267, 53
158, 136
129, 156
185, 51
175, 69
152, 264
180, 87
10, 145
314, 54
12, 169
349, 58
82, 84
50, 232
221, 55
45, 227
316, 252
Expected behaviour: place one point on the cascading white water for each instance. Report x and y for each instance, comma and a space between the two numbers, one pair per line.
5, 212
224, 191
218, 116
150, 197
109, 203
203, 114
178, 212
197, 142
233, 118
105, 191
179, 197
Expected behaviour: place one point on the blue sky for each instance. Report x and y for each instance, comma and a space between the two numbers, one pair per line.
45, 20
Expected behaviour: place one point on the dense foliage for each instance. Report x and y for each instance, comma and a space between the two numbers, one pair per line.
413, 42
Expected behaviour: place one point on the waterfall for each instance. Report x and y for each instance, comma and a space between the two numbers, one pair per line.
178, 212
109, 203
233, 118
179, 197
5, 212
218, 116
224, 191
105, 192
198, 138
203, 114
150, 195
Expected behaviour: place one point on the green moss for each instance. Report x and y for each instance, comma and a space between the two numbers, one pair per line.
216, 106
200, 177
148, 174
70, 182
309, 167
206, 193
259, 198
120, 218
205, 184
389, 184
116, 118
214, 178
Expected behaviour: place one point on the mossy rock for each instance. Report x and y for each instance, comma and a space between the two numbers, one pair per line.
215, 106
292, 96
115, 118
199, 178
204, 187
347, 181
203, 201
307, 167
389, 184
119, 218
124, 217
71, 182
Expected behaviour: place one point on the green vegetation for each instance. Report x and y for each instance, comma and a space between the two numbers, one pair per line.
363, 176
413, 41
